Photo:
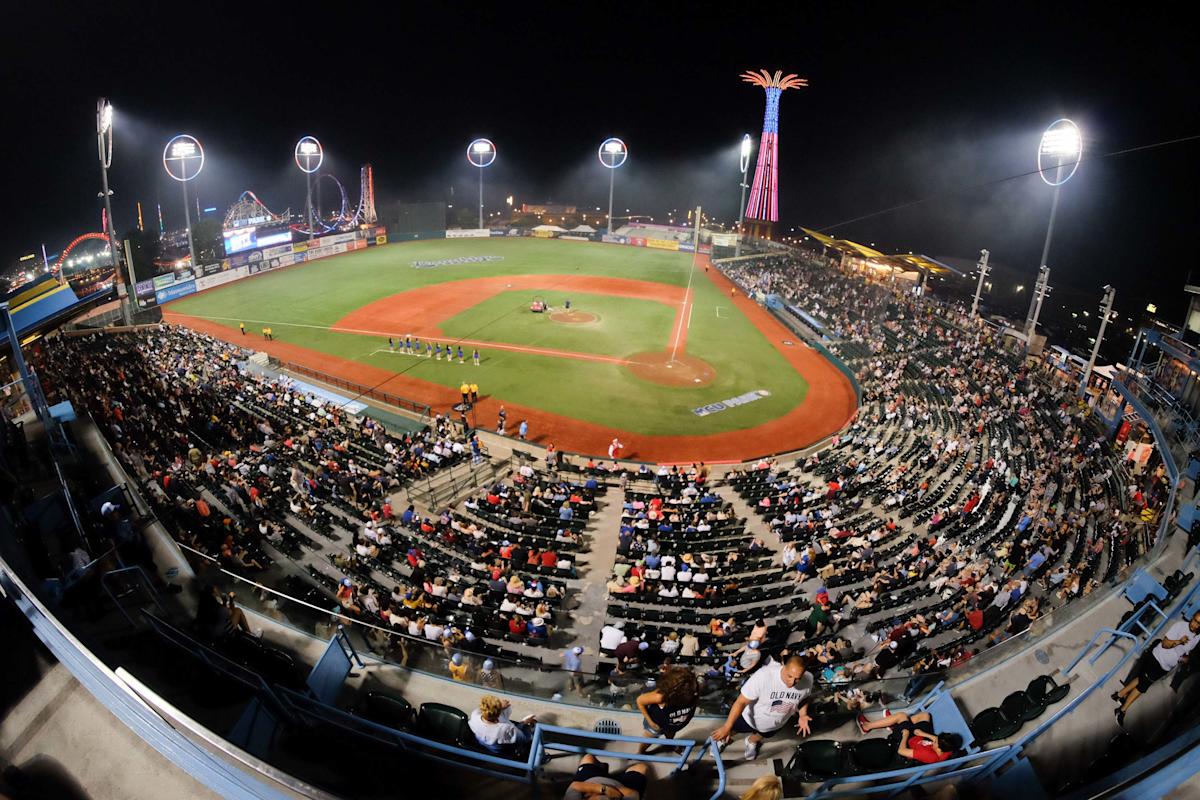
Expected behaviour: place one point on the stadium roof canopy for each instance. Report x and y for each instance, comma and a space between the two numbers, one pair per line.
906, 262
43, 302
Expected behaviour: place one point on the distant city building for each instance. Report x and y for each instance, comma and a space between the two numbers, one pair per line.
547, 208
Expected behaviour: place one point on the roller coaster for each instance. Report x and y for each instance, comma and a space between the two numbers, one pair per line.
249, 210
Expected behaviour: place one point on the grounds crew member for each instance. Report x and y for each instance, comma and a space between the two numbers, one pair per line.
466, 393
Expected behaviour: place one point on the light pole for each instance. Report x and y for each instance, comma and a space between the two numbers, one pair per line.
1062, 144
1110, 294
104, 118
613, 153
984, 269
1040, 290
481, 153
747, 145
183, 158
309, 150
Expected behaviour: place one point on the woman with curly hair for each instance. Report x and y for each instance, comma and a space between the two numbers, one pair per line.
670, 705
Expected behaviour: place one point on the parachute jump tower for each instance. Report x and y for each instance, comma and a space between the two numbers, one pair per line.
762, 210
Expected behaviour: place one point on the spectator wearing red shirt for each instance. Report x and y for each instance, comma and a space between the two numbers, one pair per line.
549, 558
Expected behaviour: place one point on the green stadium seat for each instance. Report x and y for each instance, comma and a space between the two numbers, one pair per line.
386, 709
1045, 691
442, 723
991, 725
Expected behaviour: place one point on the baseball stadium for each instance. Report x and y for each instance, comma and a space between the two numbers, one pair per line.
389, 494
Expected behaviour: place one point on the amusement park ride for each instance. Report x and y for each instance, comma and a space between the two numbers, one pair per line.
249, 210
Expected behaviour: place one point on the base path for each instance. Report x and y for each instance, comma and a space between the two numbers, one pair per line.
826, 408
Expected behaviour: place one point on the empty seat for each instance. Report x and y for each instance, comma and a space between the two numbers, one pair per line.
442, 723
387, 709
1021, 706
1045, 691
818, 760
991, 725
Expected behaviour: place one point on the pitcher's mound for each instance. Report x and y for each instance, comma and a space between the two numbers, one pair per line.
684, 370
573, 317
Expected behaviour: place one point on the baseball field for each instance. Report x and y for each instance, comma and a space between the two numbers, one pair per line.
657, 348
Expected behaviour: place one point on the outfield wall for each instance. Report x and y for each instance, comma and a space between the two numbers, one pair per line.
183, 282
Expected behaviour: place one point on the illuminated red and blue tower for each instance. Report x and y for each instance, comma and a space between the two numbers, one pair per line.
762, 210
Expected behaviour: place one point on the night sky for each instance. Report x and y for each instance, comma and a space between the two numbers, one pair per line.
939, 106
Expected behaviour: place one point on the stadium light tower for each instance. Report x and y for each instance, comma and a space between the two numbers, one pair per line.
747, 146
1061, 148
984, 269
613, 153
309, 157
183, 158
481, 153
104, 133
1106, 306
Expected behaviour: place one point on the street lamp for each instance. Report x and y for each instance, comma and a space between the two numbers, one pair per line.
183, 158
309, 157
613, 153
481, 153
1061, 148
104, 146
747, 146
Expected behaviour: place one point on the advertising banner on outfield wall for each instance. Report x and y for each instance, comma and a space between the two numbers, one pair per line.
575, 238
209, 281
471, 233
663, 244
276, 252
144, 288
299, 247
175, 291
706, 248
687, 247
210, 269
725, 239
381, 239
637, 241
613, 238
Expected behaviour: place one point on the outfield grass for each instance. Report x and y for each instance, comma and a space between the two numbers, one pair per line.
301, 302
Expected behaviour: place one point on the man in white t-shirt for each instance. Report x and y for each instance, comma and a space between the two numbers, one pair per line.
766, 702
1177, 641
611, 636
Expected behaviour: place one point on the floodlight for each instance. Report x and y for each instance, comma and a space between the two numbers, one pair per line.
747, 146
481, 152
106, 116
309, 149
1061, 144
613, 152
178, 152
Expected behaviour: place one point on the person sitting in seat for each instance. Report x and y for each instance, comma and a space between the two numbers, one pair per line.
495, 732
917, 740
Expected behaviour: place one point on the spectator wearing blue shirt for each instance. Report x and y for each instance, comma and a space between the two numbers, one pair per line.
1035, 562
566, 513
523, 429
574, 667
407, 517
